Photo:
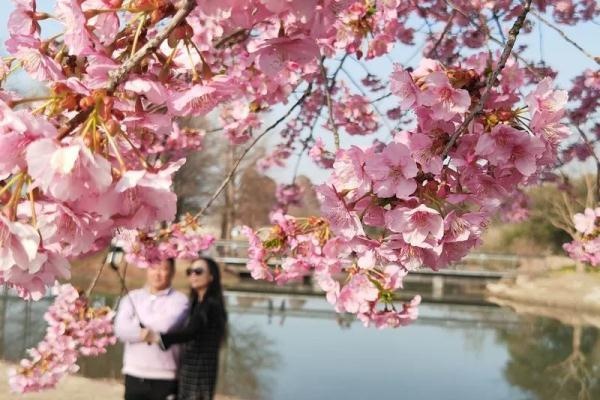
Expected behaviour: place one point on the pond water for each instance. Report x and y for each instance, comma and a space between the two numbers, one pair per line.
294, 347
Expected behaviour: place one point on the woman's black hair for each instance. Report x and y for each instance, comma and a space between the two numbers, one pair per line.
213, 298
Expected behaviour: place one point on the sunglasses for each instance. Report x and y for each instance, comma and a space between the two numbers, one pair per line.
195, 271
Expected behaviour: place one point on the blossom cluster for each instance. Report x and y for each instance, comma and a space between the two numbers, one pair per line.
183, 240
586, 246
392, 208
296, 247
75, 328
287, 195
96, 153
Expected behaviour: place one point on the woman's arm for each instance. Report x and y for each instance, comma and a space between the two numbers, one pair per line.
192, 329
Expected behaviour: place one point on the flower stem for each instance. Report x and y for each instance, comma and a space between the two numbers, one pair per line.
138, 32
10, 183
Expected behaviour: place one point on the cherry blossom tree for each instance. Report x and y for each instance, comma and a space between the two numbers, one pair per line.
449, 139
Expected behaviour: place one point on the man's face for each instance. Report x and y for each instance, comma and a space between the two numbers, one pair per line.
159, 276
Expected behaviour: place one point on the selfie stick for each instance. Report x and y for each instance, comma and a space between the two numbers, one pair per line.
114, 258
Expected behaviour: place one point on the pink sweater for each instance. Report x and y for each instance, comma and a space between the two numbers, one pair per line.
160, 312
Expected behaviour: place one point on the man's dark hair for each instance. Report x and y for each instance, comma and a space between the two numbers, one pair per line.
171, 264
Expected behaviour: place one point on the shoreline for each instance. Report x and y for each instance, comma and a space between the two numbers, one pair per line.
571, 297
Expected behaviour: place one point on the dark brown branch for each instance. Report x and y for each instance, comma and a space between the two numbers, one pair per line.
117, 76
512, 38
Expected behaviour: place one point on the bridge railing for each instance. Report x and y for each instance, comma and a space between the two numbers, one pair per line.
233, 254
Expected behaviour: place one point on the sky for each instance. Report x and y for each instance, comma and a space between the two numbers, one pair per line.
543, 43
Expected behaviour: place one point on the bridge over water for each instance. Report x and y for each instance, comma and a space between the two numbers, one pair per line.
463, 283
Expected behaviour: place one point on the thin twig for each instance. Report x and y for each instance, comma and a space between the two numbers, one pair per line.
92, 285
512, 38
596, 158
247, 150
384, 96
499, 27
568, 39
336, 134
118, 75
362, 91
304, 147
337, 71
434, 49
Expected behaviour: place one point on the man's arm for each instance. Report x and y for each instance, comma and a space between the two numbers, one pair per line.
182, 305
127, 325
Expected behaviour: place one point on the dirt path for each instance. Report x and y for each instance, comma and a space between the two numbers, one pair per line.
71, 388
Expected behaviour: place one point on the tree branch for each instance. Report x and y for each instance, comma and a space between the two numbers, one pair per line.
568, 39
512, 38
117, 76
237, 163
361, 90
493, 38
596, 158
442, 35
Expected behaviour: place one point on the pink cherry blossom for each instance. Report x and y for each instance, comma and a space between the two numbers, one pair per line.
22, 20
393, 318
106, 24
95, 153
355, 296
182, 241
17, 130
393, 171
444, 100
349, 171
67, 172
74, 328
200, 99
19, 244
68, 232
29, 51
33, 284
587, 222
404, 87
320, 156
355, 114
273, 55
343, 221
144, 197
256, 265
416, 225
77, 36
506, 145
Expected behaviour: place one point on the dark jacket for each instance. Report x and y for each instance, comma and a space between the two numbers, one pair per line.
201, 338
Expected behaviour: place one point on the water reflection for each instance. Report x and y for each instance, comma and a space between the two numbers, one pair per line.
283, 346
244, 360
553, 361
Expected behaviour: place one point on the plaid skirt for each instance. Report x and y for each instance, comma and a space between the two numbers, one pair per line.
199, 366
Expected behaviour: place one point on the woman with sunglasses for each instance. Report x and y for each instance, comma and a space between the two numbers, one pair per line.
202, 335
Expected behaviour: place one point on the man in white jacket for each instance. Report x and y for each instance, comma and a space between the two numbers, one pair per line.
151, 373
